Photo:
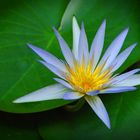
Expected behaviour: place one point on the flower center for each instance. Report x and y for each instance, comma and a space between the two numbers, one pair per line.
83, 79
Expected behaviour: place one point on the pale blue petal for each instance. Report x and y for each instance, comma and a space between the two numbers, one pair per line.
65, 49
83, 46
97, 44
92, 93
76, 35
49, 58
118, 89
99, 108
64, 83
123, 76
53, 69
47, 93
133, 80
122, 57
113, 49
72, 96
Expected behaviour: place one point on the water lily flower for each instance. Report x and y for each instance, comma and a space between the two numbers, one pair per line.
85, 74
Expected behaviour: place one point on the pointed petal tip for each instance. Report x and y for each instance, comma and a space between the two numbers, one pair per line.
55, 79
53, 27
74, 21
40, 61
135, 44
83, 27
103, 25
56, 33
74, 18
30, 45
34, 48
126, 30
17, 101
104, 22
108, 125
107, 122
23, 99
55, 30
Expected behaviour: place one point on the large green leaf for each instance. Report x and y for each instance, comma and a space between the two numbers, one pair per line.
20, 23
31, 21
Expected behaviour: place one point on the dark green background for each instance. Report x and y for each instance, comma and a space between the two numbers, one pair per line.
25, 21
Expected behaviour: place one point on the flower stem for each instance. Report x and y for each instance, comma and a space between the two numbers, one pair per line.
76, 106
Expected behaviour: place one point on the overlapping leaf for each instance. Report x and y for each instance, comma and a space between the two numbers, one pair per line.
31, 22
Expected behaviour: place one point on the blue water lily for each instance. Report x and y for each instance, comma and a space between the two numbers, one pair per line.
84, 74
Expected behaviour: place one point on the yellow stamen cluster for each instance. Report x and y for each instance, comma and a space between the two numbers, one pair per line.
83, 79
